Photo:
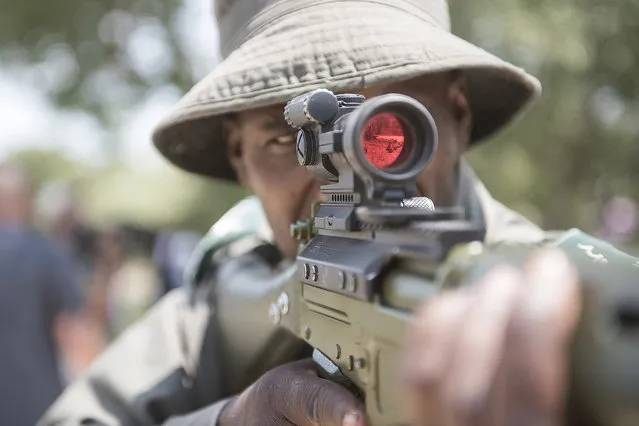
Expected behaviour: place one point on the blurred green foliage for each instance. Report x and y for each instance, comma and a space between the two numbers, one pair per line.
578, 145
573, 150
119, 195
80, 47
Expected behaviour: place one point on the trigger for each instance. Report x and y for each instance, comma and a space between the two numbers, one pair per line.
330, 371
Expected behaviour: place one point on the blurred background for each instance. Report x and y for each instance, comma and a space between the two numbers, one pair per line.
83, 82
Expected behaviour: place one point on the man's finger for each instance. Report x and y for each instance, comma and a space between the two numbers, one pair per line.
550, 314
432, 337
429, 350
312, 401
539, 334
478, 353
554, 297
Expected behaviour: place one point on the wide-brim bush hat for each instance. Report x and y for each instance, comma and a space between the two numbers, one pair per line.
275, 50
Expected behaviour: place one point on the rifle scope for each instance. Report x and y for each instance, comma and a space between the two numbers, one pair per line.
387, 140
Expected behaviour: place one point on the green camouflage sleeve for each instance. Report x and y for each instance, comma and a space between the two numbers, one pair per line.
150, 373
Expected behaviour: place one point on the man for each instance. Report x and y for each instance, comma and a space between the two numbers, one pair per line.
40, 302
88, 252
471, 353
59, 209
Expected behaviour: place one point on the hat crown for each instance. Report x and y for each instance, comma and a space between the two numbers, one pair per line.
238, 19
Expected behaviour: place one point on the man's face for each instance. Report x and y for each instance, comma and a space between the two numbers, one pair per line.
262, 151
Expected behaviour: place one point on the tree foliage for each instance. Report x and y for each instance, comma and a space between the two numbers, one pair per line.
86, 53
578, 145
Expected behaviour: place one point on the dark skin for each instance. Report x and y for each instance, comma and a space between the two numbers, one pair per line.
474, 356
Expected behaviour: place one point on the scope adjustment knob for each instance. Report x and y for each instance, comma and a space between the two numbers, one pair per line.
316, 107
418, 203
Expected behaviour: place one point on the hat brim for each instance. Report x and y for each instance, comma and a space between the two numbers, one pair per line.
352, 48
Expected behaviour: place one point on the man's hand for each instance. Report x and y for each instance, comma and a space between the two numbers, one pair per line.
293, 394
496, 353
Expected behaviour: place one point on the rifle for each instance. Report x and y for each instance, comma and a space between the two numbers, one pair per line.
374, 251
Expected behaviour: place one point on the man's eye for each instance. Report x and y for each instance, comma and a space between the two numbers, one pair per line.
282, 140
281, 145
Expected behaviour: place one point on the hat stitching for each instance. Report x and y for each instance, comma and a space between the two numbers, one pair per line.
426, 56
291, 87
335, 77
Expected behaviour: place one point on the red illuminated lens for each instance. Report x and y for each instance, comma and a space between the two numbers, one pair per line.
383, 140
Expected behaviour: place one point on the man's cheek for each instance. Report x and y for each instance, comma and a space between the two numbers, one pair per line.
281, 198
278, 171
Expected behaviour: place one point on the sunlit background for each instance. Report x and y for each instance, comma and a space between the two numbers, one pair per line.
83, 82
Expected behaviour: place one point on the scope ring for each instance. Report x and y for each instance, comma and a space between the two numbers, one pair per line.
409, 111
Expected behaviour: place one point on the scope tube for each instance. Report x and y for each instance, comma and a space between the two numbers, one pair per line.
418, 125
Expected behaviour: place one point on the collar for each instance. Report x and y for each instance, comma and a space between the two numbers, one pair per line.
502, 224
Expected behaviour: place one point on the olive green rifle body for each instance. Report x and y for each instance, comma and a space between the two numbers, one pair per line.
358, 341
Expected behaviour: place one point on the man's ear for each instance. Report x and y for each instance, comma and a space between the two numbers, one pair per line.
460, 107
234, 148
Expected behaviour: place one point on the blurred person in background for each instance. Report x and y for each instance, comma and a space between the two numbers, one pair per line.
133, 287
167, 368
59, 209
109, 257
95, 254
41, 304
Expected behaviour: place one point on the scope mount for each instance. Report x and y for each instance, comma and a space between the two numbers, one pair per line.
333, 141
